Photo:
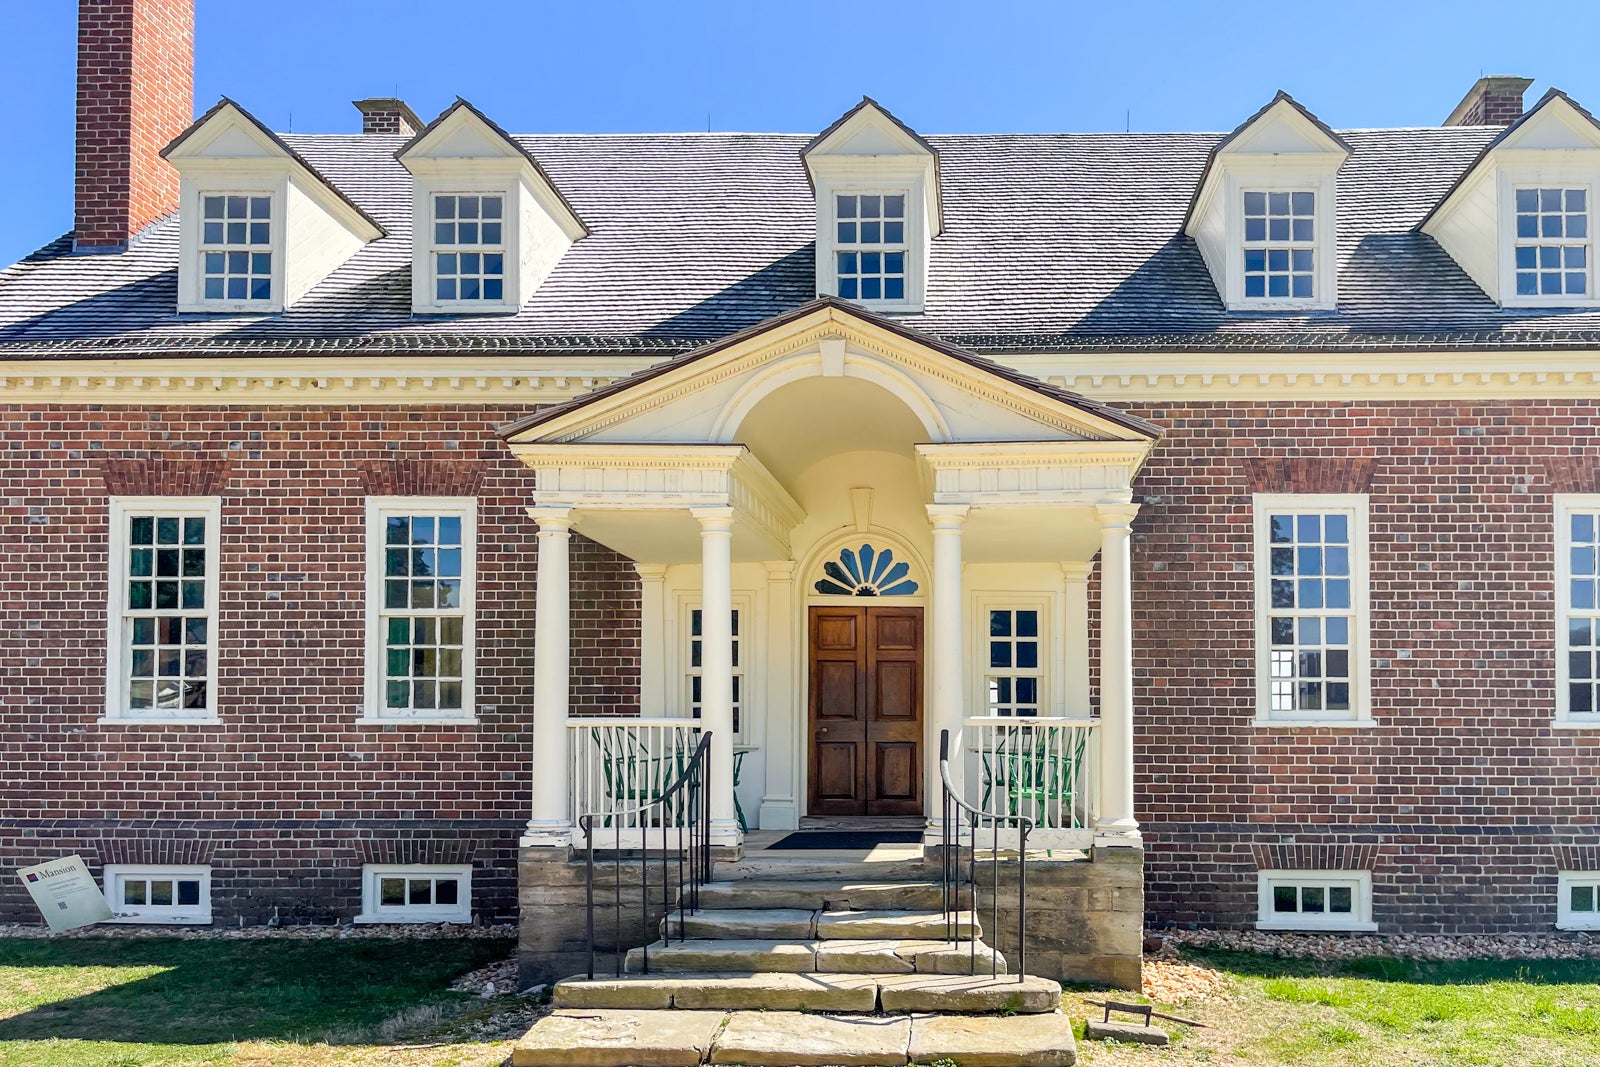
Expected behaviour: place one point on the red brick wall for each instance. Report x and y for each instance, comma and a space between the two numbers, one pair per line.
1462, 794
286, 796
135, 94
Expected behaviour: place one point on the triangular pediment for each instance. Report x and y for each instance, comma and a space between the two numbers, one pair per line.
868, 129
702, 396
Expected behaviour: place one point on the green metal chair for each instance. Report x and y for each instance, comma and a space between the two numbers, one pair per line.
633, 775
1026, 766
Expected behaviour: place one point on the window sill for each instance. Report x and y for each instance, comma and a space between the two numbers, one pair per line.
1317, 928
410, 920
238, 307
471, 307
164, 920
168, 720
1575, 724
1325, 724
418, 720
1587, 924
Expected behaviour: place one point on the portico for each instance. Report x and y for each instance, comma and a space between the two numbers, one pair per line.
850, 537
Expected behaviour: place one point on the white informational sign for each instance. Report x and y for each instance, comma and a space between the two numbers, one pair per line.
66, 893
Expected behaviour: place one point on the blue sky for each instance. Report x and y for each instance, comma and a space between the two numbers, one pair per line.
541, 66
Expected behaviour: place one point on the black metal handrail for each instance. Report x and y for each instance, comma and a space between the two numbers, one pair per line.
950, 869
690, 816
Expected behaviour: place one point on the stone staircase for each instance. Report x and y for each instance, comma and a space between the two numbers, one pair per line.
807, 972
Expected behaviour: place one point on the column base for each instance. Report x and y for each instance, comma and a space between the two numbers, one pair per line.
543, 836
1112, 835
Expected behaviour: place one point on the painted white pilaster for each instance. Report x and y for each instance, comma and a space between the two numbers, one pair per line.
652, 639
779, 806
716, 663
1075, 637
550, 824
948, 702
1116, 819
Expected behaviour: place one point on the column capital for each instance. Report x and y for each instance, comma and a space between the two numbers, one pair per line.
552, 519
651, 572
1116, 516
1077, 572
780, 570
947, 517
714, 520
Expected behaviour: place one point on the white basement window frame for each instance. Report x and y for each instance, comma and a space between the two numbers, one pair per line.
416, 893
158, 893
1577, 542
1578, 900
1315, 900
162, 609
421, 609
1312, 580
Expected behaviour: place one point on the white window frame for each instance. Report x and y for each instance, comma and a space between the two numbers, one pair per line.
502, 249
374, 911
1357, 920
1566, 918
114, 874
903, 246
1355, 507
1553, 175
191, 270
907, 180
1048, 668
744, 605
118, 637
379, 508
1267, 245
1566, 504
468, 177
1284, 179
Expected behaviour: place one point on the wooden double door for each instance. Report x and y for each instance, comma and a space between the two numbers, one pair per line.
866, 711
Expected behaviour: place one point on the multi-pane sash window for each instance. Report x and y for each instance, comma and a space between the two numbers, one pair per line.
1015, 675
1280, 247
164, 606
236, 246
1310, 900
469, 261
870, 236
146, 894
696, 661
1311, 593
1578, 607
1552, 242
426, 893
421, 562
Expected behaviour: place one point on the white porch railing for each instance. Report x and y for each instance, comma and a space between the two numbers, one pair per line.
1043, 768
618, 765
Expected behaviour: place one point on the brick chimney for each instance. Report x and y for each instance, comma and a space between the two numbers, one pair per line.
135, 94
385, 114
1493, 101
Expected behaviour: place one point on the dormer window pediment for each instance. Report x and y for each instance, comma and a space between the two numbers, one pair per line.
1264, 215
490, 225
1520, 221
258, 225
878, 209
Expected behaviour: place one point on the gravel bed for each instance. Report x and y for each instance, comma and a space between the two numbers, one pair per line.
1172, 982
1437, 947
351, 931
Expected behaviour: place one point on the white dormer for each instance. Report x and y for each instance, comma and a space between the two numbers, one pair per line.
1521, 220
258, 226
490, 225
878, 208
1265, 212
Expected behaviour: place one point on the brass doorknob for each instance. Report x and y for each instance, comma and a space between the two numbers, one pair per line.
821, 730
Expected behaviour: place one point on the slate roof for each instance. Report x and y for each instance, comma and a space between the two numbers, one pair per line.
1052, 242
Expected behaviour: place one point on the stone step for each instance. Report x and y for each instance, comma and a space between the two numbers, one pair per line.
811, 991
906, 957
598, 1037
896, 925
834, 956
736, 924
701, 956
816, 895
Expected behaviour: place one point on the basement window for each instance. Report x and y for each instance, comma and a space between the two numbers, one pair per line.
140, 893
1315, 900
425, 893
1578, 900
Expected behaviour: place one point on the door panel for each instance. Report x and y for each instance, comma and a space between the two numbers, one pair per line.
866, 711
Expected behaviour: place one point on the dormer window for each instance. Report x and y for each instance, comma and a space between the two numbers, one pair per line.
1280, 248
871, 245
1552, 242
236, 247
469, 247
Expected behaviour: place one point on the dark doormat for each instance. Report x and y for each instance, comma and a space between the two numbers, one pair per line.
812, 840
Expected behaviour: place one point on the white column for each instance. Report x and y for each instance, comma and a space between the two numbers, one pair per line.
1116, 817
716, 663
551, 821
652, 640
949, 698
1075, 637
780, 736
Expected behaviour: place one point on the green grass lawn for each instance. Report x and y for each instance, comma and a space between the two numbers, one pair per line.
126, 1003
1388, 1013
